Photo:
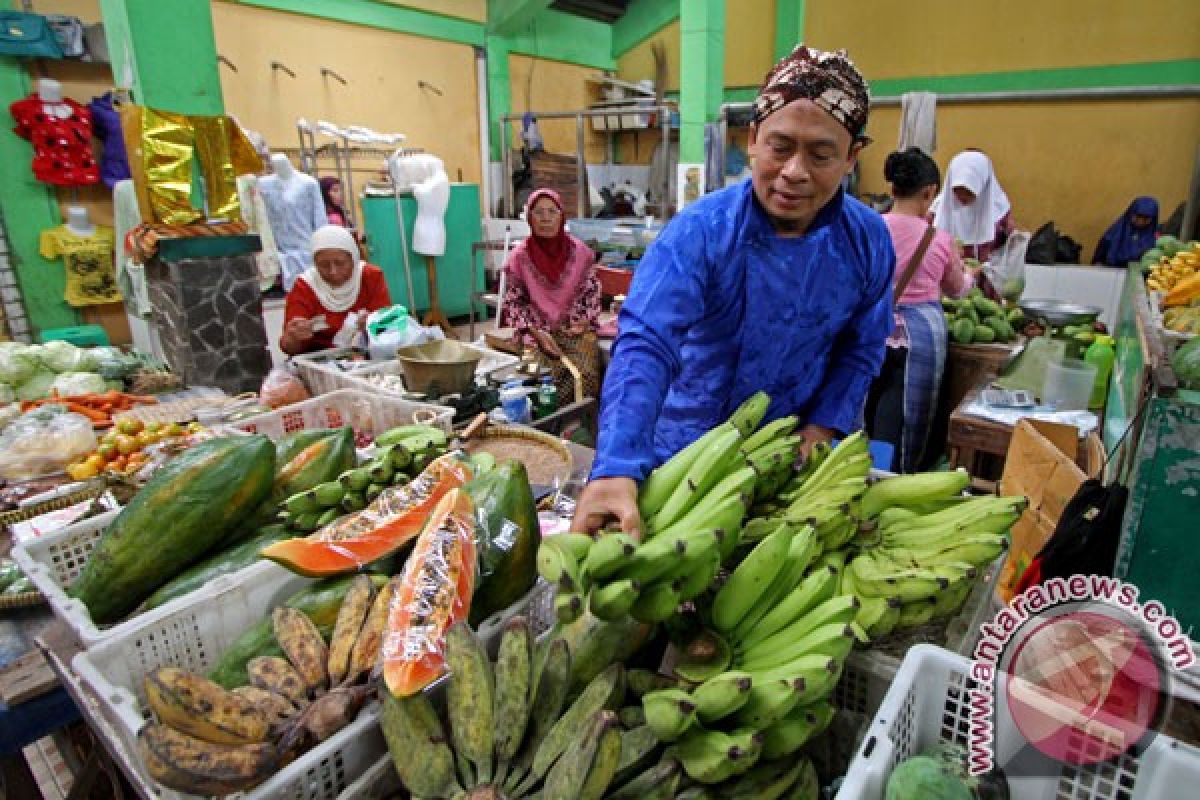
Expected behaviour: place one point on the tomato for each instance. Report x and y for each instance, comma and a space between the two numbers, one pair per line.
126, 444
131, 426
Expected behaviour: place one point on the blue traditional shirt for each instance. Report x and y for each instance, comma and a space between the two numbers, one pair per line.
722, 306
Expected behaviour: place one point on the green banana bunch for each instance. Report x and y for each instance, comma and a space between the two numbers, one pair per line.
907, 491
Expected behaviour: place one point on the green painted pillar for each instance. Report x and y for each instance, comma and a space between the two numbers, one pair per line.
499, 90
702, 73
29, 208
789, 26
165, 53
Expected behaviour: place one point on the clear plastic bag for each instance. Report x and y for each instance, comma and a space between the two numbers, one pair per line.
1006, 269
44, 441
281, 388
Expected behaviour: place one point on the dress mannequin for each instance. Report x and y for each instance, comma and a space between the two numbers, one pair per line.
433, 197
78, 222
294, 210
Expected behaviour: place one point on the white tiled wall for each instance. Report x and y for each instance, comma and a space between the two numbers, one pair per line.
10, 294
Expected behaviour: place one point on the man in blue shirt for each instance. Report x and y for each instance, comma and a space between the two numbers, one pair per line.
781, 283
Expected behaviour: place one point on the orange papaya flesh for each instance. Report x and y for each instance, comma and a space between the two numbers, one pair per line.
435, 592
356, 540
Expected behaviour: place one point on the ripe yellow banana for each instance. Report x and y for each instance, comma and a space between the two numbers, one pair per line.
194, 766
200, 708
304, 646
350, 620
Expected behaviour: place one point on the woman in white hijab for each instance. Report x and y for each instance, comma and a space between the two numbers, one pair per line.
972, 206
338, 284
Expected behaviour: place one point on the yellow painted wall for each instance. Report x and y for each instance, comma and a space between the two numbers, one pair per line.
474, 10
382, 69
888, 39
541, 85
1078, 164
749, 41
638, 63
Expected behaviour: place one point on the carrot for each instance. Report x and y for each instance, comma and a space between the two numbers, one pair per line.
90, 413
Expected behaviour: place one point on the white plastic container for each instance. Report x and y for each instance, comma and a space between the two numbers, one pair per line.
194, 638
370, 414
1068, 384
320, 372
928, 703
53, 562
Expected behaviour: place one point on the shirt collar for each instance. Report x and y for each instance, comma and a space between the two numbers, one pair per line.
759, 225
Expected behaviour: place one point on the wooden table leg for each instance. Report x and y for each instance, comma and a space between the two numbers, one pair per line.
434, 315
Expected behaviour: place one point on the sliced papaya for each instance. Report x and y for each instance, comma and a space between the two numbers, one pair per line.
388, 524
435, 592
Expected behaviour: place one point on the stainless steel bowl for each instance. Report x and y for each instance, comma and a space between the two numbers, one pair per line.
1058, 313
445, 365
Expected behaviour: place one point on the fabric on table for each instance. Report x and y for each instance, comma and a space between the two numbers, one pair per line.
62, 142
254, 213
925, 326
131, 273
106, 125
68, 30
91, 279
722, 306
295, 211
302, 303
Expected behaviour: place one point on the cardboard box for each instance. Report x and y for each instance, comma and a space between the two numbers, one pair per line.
1047, 463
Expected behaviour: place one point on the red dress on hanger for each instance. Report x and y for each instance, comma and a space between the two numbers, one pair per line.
62, 147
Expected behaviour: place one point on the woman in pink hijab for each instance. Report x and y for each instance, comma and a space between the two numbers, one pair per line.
551, 276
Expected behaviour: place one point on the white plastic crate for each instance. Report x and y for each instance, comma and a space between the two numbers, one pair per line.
322, 375
928, 702
194, 638
369, 413
53, 562
379, 782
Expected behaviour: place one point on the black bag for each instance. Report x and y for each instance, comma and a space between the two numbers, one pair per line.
1066, 250
1042, 245
1086, 538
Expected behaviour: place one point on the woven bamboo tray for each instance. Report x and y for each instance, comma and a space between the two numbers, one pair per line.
90, 491
545, 457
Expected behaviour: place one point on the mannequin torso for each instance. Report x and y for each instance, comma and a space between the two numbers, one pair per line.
78, 222
50, 93
295, 209
432, 193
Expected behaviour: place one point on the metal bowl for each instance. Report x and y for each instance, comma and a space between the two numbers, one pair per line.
445, 365
1058, 313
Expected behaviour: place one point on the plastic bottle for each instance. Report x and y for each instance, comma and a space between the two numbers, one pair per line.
547, 397
1101, 354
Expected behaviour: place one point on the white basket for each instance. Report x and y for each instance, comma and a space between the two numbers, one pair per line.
53, 562
195, 636
321, 375
369, 413
379, 782
928, 702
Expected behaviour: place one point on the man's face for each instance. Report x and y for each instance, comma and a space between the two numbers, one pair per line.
801, 154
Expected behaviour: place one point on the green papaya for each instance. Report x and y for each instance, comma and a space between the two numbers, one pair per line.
185, 509
986, 307
322, 459
925, 778
225, 562
321, 601
983, 335
292, 443
507, 535
962, 331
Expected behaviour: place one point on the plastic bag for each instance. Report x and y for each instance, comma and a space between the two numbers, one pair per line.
282, 388
44, 441
351, 334
1006, 269
391, 328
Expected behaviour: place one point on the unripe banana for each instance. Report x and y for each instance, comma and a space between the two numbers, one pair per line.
834, 640
910, 490
302, 503
721, 696
329, 495
557, 565
710, 756
656, 602
750, 413
662, 482
772, 431
607, 555
613, 601
796, 729
749, 580
812, 591
701, 477
470, 698
577, 544
568, 606
355, 480
837, 610
669, 713
769, 702
915, 613
660, 555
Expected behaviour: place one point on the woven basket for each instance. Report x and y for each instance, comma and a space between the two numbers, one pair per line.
545, 457
22, 600
92, 490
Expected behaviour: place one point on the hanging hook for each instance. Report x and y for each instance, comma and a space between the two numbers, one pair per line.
280, 65
424, 84
327, 72
223, 60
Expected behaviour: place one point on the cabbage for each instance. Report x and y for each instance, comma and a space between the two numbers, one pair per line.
7, 395
36, 386
17, 362
62, 356
73, 383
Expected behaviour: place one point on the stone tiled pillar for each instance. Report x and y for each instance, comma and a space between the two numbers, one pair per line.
208, 315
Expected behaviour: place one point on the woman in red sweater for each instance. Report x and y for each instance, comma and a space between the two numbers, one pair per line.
339, 284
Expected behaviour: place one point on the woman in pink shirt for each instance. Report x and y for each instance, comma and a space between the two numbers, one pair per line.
903, 398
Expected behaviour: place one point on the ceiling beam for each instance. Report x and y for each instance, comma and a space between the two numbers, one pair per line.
511, 16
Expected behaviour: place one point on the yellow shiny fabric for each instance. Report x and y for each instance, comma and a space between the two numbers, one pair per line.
164, 148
